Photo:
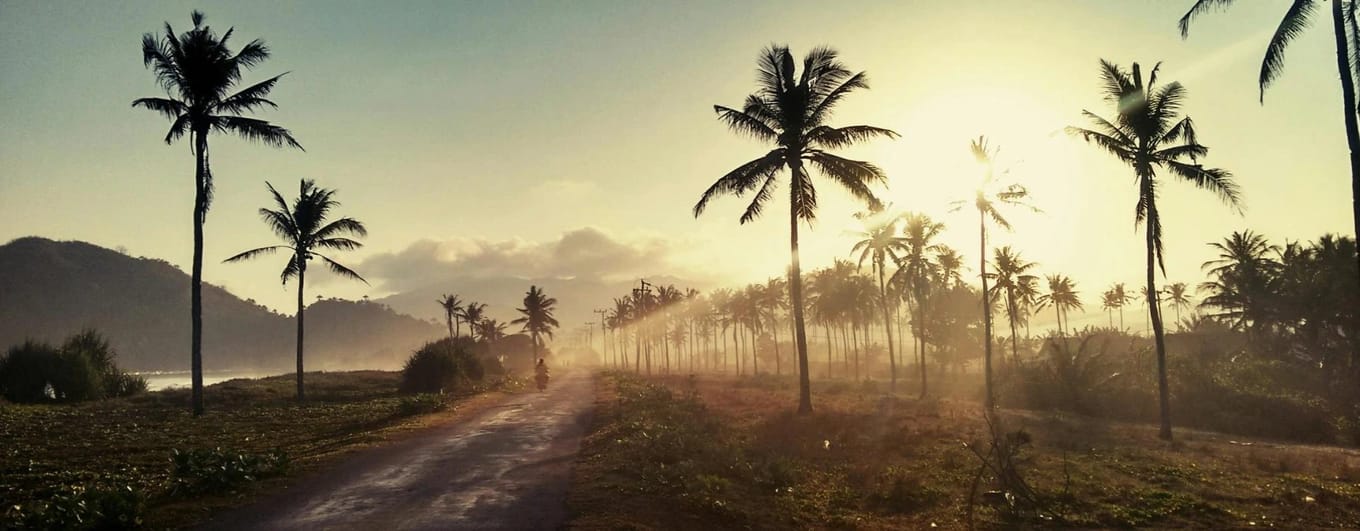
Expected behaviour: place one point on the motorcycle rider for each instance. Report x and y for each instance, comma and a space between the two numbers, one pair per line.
541, 374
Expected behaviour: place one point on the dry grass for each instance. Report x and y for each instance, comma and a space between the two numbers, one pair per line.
865, 460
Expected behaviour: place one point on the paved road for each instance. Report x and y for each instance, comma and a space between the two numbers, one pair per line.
506, 468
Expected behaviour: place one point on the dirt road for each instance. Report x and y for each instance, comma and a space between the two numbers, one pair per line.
506, 468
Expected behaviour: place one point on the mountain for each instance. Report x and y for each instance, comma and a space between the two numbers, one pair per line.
50, 289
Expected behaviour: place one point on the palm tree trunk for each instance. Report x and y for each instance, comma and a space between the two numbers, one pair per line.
448, 320
921, 326
796, 298
774, 332
826, 327
1015, 336
196, 283
887, 326
990, 400
302, 282
1163, 392
1352, 142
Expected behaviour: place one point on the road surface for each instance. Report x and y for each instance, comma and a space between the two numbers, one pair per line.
505, 468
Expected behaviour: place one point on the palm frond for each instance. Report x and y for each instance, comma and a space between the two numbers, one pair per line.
341, 270
855, 176
256, 252
170, 108
250, 98
840, 137
742, 179
745, 124
1200, 7
341, 226
1106, 142
255, 130
757, 205
1216, 180
1293, 24
828, 102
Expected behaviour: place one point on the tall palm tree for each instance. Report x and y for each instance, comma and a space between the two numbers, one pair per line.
791, 111
1295, 21
991, 195
1062, 296
1148, 133
1011, 276
304, 229
451, 305
1178, 294
537, 317
915, 273
199, 73
473, 312
880, 242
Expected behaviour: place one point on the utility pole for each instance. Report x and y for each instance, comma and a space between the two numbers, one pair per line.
640, 295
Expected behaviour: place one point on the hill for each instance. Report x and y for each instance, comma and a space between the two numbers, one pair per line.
50, 289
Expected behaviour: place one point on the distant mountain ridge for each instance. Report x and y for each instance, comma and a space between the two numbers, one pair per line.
51, 289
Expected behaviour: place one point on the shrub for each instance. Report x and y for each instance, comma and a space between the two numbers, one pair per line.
82, 369
439, 366
25, 371
81, 507
201, 470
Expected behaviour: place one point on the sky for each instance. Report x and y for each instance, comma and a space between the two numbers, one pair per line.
571, 139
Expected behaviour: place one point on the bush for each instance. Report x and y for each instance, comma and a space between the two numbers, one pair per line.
81, 507
25, 371
201, 470
82, 369
439, 366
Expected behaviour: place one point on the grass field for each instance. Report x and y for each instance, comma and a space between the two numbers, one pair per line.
719, 452
54, 456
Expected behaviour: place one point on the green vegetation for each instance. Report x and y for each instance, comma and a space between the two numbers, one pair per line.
147, 457
681, 453
441, 366
83, 368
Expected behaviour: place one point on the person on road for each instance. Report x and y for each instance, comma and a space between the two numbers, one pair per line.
541, 374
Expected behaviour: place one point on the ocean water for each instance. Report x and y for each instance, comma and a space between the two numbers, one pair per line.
158, 380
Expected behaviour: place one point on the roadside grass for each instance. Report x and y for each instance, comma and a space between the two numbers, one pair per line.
149, 450
721, 452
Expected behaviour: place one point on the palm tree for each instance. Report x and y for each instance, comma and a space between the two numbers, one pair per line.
990, 195
1011, 276
1148, 134
473, 313
199, 73
1109, 302
790, 111
880, 241
1179, 297
451, 305
1119, 298
1062, 296
951, 267
304, 230
537, 317
1241, 279
1347, 62
916, 270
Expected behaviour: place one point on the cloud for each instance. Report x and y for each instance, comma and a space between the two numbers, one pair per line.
586, 253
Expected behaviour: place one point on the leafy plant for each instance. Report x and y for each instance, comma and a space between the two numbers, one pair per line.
440, 366
201, 470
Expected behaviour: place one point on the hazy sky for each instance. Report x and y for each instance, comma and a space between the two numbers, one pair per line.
572, 138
